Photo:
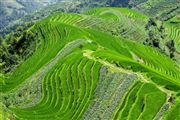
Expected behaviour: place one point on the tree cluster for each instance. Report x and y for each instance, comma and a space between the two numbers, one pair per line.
157, 36
15, 48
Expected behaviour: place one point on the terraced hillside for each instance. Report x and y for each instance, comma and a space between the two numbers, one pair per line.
173, 32
81, 71
161, 9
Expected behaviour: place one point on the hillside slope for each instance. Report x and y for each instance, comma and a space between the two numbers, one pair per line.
173, 32
15, 9
11, 10
79, 71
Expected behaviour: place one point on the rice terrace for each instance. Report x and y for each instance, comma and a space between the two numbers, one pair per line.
90, 60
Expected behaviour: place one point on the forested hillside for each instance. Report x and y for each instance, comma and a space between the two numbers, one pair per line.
11, 10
